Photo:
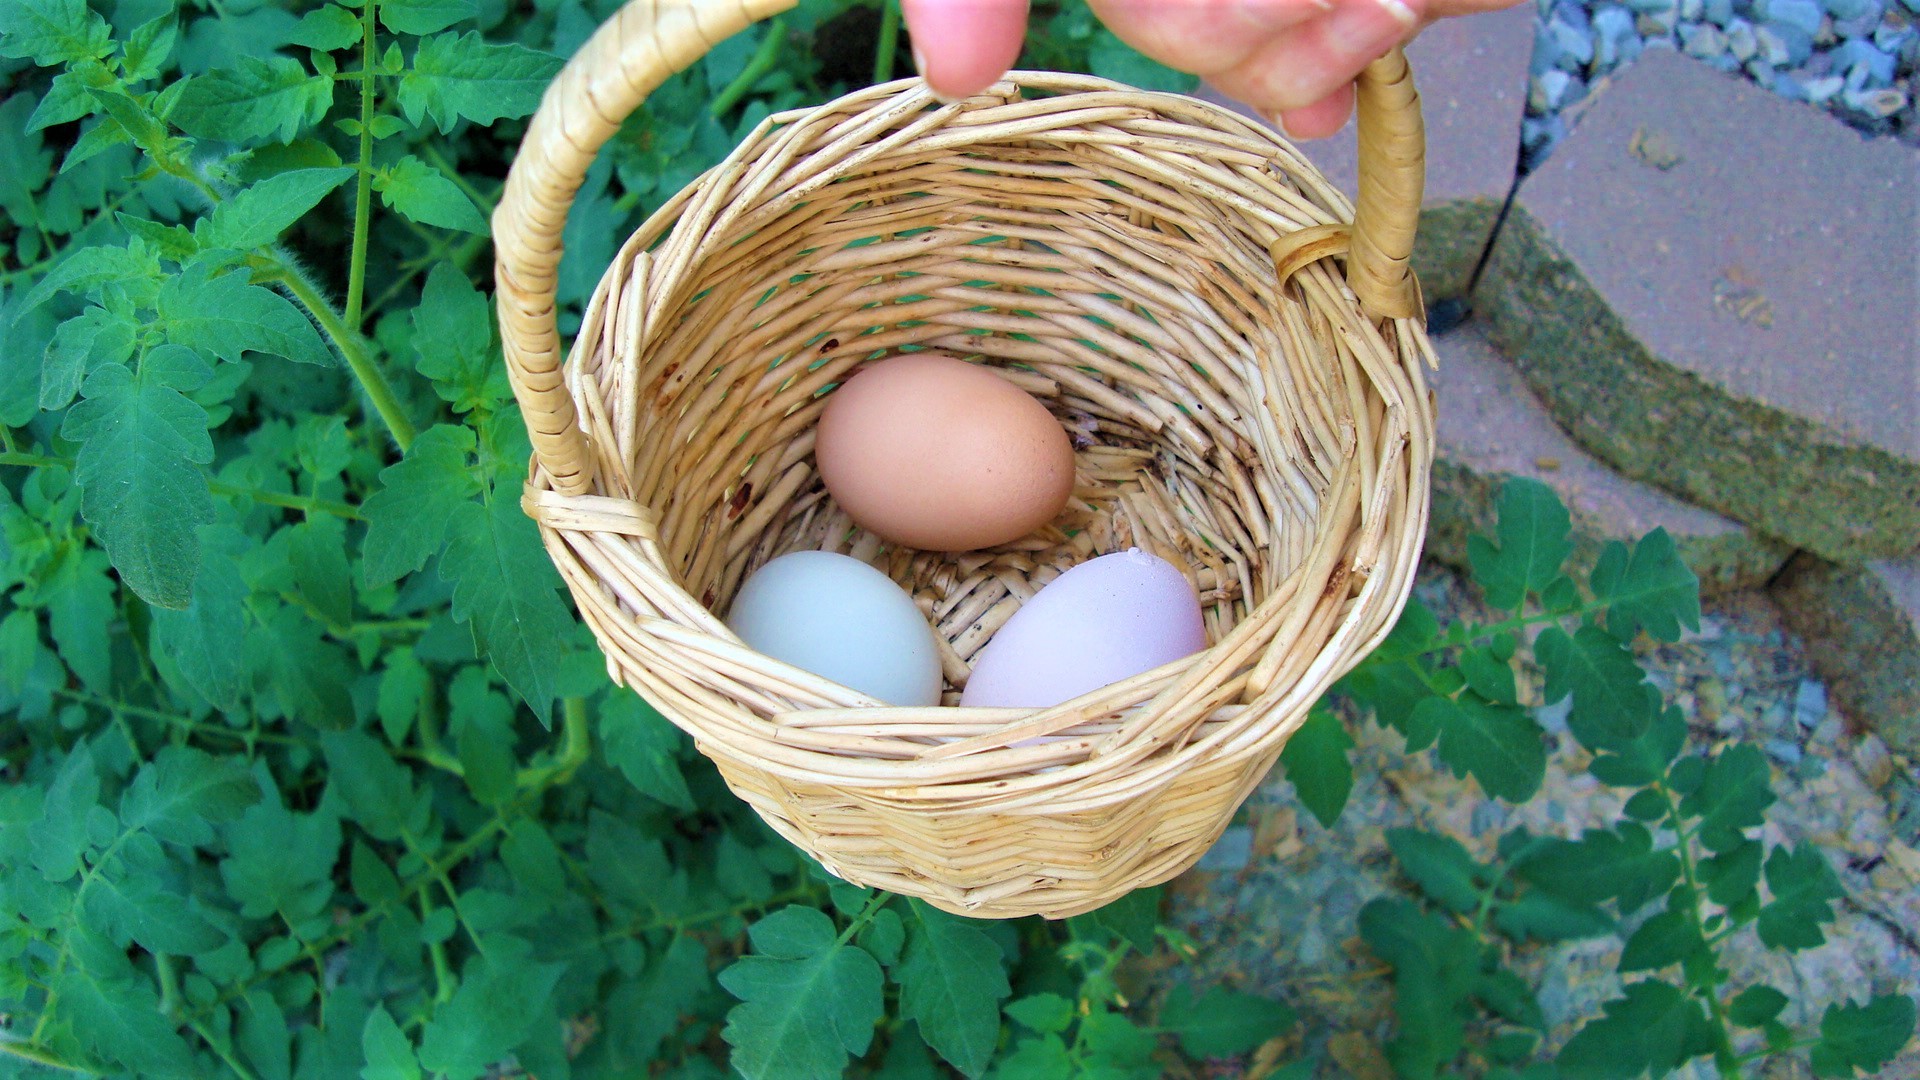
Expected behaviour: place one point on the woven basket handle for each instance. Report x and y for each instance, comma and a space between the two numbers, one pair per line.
650, 40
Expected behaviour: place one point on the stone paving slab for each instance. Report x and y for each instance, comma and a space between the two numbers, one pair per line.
1472, 78
1862, 628
1492, 427
1718, 291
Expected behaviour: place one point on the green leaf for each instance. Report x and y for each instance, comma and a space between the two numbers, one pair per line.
1501, 746
419, 192
149, 47
1111, 58
328, 28
1440, 866
226, 317
280, 862
952, 979
503, 997
884, 936
1756, 1005
1613, 704
806, 1001
80, 346
84, 271
131, 904
1731, 876
1734, 793
407, 519
1045, 1058
1223, 1022
644, 746
461, 76
182, 793
1509, 996
1644, 759
311, 676
200, 637
1530, 544
1863, 1037
1044, 1014
1315, 759
503, 586
52, 32
389, 1055
257, 215
316, 551
1651, 589
1436, 969
453, 341
261, 99
1802, 883
59, 837
1131, 918
377, 790
81, 613
1544, 917
1655, 1026
1669, 937
1602, 865
122, 1022
1489, 673
1113, 1042
264, 1036
143, 490
423, 16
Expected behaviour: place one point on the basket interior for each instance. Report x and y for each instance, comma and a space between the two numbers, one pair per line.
1116, 266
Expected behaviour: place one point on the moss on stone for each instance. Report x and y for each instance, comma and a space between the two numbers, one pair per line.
1452, 235
1861, 641
1782, 474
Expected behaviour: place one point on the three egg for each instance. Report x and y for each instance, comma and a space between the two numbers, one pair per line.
931, 452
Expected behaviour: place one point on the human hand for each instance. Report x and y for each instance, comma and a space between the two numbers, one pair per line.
1292, 60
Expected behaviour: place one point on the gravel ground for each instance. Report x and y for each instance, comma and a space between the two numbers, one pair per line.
1857, 58
1273, 906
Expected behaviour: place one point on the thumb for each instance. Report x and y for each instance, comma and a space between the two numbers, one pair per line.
963, 46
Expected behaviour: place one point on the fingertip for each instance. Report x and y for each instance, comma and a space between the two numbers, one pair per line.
1320, 120
964, 46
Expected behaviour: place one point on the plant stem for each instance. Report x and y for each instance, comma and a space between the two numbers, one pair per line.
576, 745
439, 160
307, 503
34, 461
363, 190
1724, 1056
39, 1055
889, 45
762, 62
187, 722
348, 342
875, 902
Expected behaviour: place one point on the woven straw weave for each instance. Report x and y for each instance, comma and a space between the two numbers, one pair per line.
1111, 251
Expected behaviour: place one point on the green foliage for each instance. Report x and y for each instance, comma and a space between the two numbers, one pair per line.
311, 773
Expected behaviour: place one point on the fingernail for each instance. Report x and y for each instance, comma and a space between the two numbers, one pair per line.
920, 65
1279, 123
1369, 27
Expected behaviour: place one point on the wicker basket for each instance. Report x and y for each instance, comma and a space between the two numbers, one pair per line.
1166, 276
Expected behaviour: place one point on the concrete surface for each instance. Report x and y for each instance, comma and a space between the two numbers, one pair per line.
1862, 629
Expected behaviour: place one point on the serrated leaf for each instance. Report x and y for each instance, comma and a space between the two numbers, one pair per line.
1440, 865
503, 997
1501, 746
274, 98
257, 215
1436, 969
1644, 759
504, 588
1394, 689
81, 345
280, 862
453, 341
317, 555
952, 979
423, 16
1544, 917
263, 1036
52, 32
419, 192
644, 746
1802, 883
134, 905
389, 1055
1045, 1058
407, 519
377, 790
182, 793
1315, 760
1602, 865
1613, 703
311, 676
1130, 918
1734, 792
1650, 589
122, 1022
806, 1002
149, 47
1756, 1005
326, 29
1489, 675
1509, 996
1655, 1026
59, 836
1669, 937
81, 614
883, 936
199, 638
1863, 1037
1731, 876
143, 491
1529, 547
91, 267
1223, 1022
461, 76
1044, 1014
226, 317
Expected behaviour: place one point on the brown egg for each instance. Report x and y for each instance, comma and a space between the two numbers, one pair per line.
932, 452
